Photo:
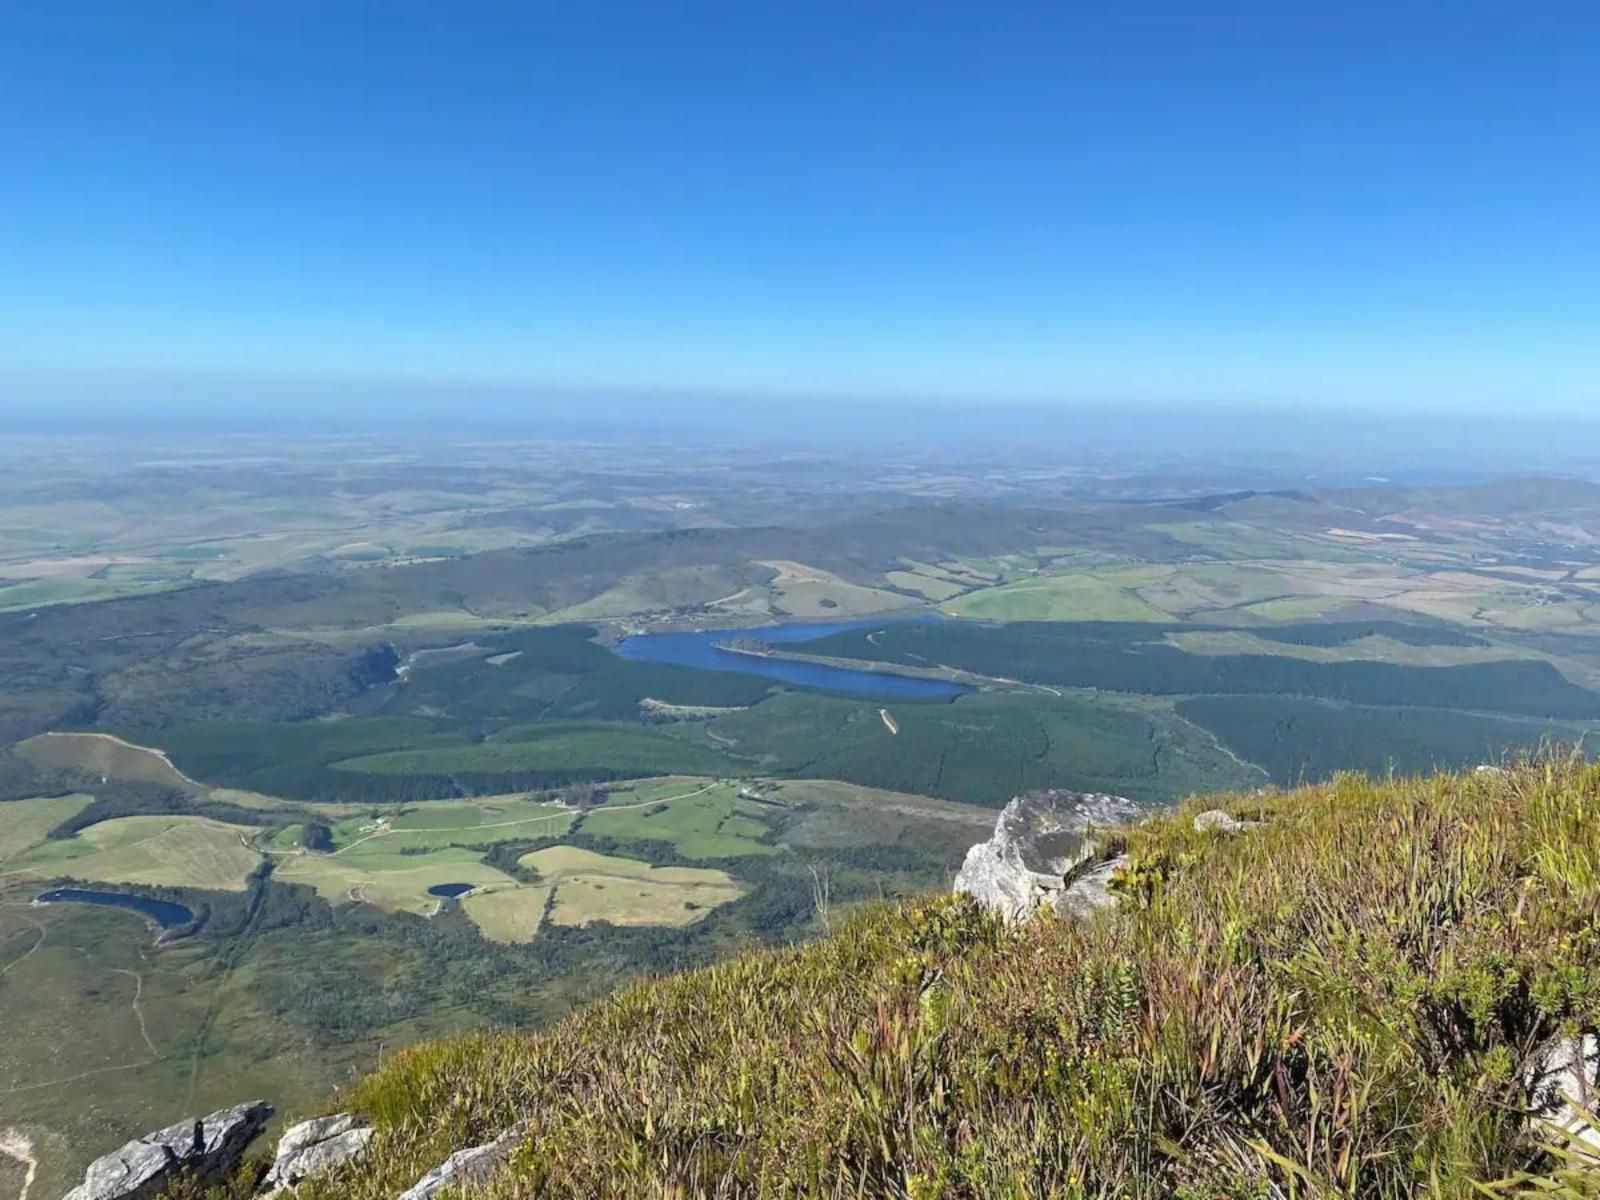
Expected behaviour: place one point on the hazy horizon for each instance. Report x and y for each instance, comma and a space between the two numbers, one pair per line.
1374, 208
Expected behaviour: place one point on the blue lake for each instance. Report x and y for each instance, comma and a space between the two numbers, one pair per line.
698, 649
163, 912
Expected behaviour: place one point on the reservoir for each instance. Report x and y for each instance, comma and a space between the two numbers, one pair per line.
450, 890
699, 649
163, 912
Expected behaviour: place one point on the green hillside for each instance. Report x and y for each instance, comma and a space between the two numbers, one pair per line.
1340, 1002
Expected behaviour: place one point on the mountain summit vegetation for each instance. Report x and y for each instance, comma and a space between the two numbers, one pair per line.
1350, 999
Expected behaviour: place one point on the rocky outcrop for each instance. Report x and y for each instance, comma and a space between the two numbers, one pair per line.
1565, 1082
1088, 888
1038, 856
1216, 821
315, 1146
206, 1149
464, 1168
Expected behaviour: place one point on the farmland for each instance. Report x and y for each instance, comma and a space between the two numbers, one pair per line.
1071, 597
393, 882
191, 852
510, 915
709, 823
442, 675
27, 823
593, 887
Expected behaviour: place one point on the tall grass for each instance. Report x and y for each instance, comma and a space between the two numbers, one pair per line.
1342, 1002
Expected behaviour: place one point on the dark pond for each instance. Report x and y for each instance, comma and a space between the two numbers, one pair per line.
698, 649
451, 890
164, 912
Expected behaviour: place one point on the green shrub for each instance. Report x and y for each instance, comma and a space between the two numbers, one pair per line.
1341, 1002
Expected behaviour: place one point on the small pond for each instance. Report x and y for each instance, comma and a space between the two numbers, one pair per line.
451, 890
163, 912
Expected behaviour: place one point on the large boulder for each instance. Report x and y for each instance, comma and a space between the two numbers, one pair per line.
315, 1146
465, 1168
1038, 856
204, 1148
1087, 888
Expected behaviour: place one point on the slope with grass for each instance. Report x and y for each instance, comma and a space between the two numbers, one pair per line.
181, 851
1345, 1001
25, 824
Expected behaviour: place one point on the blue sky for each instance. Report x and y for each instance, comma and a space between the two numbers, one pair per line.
1392, 205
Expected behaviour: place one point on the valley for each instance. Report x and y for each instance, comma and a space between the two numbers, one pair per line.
422, 793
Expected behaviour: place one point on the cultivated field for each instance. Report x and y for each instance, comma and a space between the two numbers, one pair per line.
1064, 598
24, 824
593, 887
167, 851
807, 592
509, 915
436, 824
389, 880
708, 822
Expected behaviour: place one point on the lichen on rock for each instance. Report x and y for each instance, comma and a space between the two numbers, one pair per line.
1039, 856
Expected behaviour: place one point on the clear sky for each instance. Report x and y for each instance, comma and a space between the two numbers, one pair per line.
1392, 204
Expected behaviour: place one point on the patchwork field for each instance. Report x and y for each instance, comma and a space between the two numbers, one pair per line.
593, 887
433, 825
167, 851
806, 592
389, 880
930, 587
711, 822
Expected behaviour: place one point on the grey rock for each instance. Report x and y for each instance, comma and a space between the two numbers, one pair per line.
1038, 849
464, 1168
317, 1145
1217, 820
206, 1148
1564, 1080
1088, 889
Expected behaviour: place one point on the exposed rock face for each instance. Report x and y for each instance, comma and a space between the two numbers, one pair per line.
1088, 888
1565, 1081
464, 1168
206, 1148
316, 1145
1032, 859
